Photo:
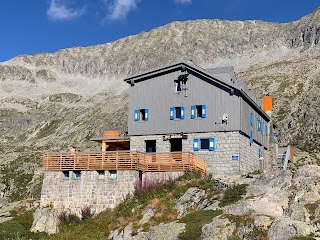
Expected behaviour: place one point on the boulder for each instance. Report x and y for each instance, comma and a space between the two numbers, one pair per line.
285, 228
219, 229
124, 234
169, 231
45, 220
191, 198
263, 222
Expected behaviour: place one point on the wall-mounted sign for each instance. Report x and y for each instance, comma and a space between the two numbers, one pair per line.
235, 158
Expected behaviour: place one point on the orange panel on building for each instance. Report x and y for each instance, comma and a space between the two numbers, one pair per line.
267, 103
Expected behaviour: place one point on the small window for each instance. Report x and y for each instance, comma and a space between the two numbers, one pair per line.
101, 174
141, 115
259, 124
198, 111
176, 113
113, 174
251, 119
66, 174
177, 86
78, 174
204, 144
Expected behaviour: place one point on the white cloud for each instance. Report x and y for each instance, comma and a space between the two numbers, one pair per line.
119, 9
183, 1
58, 11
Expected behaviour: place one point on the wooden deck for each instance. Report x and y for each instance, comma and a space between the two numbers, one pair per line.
124, 160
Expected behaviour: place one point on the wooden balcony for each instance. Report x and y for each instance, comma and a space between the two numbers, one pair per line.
124, 160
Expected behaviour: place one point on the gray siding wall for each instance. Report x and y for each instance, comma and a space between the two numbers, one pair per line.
158, 95
259, 136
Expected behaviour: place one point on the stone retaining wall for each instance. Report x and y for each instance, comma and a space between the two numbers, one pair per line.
89, 190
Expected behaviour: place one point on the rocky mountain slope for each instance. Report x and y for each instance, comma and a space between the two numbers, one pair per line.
50, 101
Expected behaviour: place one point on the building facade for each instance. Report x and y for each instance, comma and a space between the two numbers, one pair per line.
184, 108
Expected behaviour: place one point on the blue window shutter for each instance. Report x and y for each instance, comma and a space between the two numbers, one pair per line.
275, 137
259, 124
196, 144
204, 111
251, 118
267, 131
146, 114
182, 113
212, 143
259, 152
171, 113
136, 115
251, 136
193, 112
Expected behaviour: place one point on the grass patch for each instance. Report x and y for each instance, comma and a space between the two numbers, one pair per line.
302, 238
18, 227
48, 129
233, 195
234, 237
311, 208
195, 221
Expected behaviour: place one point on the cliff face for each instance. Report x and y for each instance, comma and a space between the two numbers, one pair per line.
52, 101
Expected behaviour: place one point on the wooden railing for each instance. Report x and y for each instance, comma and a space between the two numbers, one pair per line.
124, 160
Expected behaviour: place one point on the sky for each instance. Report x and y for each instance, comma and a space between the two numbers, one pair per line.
36, 26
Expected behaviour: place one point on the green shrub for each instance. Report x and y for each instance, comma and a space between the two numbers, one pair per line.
11, 230
233, 194
234, 237
302, 238
195, 221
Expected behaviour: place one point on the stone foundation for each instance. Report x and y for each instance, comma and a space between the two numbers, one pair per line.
89, 190
233, 152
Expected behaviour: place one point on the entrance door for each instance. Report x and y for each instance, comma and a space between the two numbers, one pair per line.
150, 146
176, 145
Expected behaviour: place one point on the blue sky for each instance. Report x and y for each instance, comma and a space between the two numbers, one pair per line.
29, 27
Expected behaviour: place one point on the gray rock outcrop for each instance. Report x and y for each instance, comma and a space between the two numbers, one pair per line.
45, 220
191, 198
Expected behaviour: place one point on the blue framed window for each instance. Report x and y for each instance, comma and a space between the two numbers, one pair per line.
259, 124
141, 115
198, 111
78, 174
251, 137
259, 153
113, 174
267, 131
251, 118
102, 174
204, 144
275, 137
65, 174
177, 113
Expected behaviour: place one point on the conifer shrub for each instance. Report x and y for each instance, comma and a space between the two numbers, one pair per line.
233, 194
195, 221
